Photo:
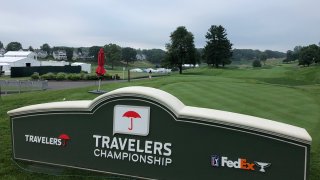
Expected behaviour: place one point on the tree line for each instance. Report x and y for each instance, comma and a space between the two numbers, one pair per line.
250, 54
114, 53
306, 55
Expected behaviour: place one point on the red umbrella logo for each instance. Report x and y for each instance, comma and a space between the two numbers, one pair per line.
131, 115
64, 138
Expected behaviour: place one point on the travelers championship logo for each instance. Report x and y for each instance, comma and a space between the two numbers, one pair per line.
61, 140
241, 163
133, 120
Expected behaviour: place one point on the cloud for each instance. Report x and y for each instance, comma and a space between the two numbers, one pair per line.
278, 25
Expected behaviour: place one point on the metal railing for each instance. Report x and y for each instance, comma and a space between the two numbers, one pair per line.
19, 86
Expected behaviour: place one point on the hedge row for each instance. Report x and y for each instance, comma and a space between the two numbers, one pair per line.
71, 76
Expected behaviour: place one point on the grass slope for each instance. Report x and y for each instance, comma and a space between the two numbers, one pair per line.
283, 93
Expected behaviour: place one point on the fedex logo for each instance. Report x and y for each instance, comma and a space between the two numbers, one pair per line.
241, 163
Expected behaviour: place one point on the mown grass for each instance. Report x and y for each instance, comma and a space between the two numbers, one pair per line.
285, 93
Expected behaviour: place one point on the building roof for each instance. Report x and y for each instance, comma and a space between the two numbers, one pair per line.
10, 59
78, 63
4, 64
17, 53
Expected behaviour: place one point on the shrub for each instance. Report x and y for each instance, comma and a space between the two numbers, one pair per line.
256, 63
92, 77
48, 76
107, 77
35, 76
74, 77
61, 76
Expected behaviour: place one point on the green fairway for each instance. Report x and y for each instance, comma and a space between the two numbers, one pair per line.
285, 93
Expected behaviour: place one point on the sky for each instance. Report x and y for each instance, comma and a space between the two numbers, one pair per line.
250, 24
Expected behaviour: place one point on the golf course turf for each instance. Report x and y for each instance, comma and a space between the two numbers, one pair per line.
285, 93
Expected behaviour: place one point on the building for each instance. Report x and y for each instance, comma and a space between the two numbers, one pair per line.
54, 63
141, 57
60, 55
18, 59
41, 54
2, 51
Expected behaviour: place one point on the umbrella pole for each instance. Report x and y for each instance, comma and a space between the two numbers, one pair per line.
99, 84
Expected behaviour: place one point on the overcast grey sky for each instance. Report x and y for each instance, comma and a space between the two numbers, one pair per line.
255, 24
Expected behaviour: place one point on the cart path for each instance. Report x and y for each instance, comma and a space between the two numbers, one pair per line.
57, 85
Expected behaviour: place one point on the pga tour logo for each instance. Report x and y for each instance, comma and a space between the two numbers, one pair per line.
133, 120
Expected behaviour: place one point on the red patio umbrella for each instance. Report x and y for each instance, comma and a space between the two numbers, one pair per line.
100, 71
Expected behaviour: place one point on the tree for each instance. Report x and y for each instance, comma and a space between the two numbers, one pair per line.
30, 48
181, 49
79, 50
218, 48
256, 63
296, 52
46, 47
1, 45
93, 51
263, 57
113, 53
289, 57
154, 55
14, 46
128, 54
69, 52
309, 55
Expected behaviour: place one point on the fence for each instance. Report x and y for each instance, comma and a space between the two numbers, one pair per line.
19, 86
28, 71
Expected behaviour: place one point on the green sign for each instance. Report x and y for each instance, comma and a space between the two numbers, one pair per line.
147, 133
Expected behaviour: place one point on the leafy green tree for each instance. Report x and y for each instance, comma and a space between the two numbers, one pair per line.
128, 54
1, 45
218, 49
154, 55
30, 48
296, 52
309, 55
263, 57
79, 50
274, 54
46, 47
69, 53
93, 51
14, 46
181, 49
289, 57
113, 53
256, 63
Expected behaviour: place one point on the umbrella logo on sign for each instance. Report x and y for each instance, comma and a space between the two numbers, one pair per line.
133, 120
131, 115
65, 138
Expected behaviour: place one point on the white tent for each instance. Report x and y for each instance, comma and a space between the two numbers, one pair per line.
18, 59
84, 66
5, 67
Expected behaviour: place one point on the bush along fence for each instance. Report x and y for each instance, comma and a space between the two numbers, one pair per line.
28, 71
72, 76
19, 86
